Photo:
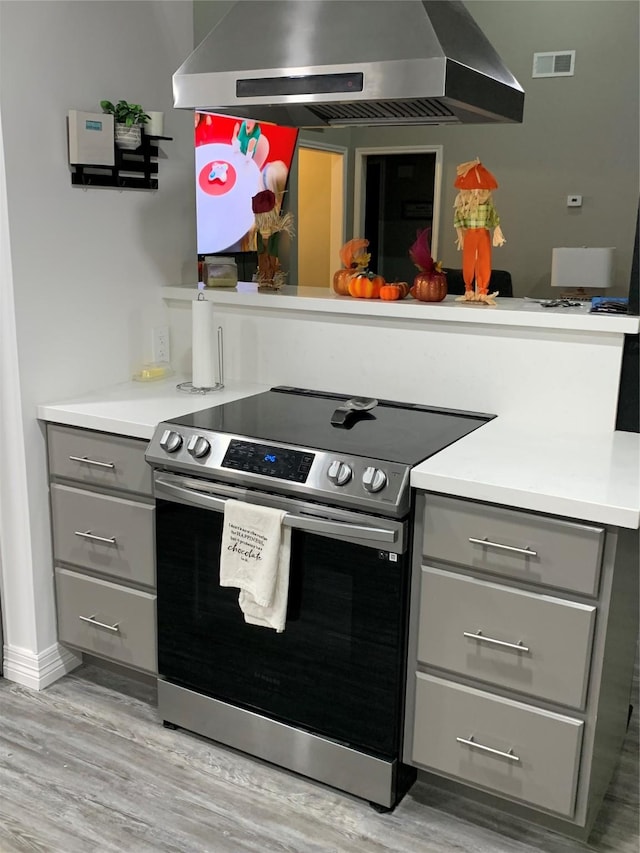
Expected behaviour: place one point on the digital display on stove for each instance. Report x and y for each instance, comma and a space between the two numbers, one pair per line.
280, 462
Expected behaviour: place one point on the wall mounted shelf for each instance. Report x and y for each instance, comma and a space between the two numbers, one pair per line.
134, 169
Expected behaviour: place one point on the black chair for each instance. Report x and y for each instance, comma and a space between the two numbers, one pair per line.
500, 280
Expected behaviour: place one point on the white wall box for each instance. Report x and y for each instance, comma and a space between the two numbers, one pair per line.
90, 138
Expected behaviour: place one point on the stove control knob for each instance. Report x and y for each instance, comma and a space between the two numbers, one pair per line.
198, 446
374, 479
171, 441
339, 472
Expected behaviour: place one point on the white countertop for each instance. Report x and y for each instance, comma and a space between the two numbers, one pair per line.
507, 312
136, 408
590, 477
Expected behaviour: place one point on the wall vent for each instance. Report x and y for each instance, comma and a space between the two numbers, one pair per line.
557, 63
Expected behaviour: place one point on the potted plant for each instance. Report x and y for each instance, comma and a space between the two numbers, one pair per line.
128, 119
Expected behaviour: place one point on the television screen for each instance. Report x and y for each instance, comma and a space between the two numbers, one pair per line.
235, 159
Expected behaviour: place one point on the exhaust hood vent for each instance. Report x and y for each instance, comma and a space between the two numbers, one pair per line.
318, 63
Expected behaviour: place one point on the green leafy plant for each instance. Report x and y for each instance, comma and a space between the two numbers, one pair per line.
125, 113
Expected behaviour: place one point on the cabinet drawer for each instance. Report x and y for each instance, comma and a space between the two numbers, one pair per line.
520, 545
127, 632
114, 536
556, 636
110, 461
543, 748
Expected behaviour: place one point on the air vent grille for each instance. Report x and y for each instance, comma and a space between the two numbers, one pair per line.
558, 63
385, 112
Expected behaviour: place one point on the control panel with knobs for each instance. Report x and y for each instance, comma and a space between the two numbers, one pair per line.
198, 446
171, 441
374, 479
339, 472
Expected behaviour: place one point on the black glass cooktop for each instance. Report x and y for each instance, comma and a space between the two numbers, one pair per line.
391, 431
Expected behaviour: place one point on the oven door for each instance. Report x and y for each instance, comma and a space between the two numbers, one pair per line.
337, 669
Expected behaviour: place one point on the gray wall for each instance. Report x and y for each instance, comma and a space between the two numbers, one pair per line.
579, 135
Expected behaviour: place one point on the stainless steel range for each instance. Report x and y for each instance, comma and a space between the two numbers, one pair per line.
324, 698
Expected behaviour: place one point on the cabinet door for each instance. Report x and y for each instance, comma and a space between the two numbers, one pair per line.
114, 536
521, 545
536, 644
525, 753
99, 459
106, 619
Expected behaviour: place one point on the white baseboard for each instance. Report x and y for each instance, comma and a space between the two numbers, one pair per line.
38, 670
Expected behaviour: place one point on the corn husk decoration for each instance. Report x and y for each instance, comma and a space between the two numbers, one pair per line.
354, 255
270, 223
354, 258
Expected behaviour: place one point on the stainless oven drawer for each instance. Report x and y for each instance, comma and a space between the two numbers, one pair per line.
108, 461
519, 545
524, 753
524, 641
107, 619
114, 536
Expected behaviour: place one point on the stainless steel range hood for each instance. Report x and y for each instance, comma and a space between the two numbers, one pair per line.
313, 63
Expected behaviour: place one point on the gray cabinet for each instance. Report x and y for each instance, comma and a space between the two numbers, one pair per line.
524, 752
522, 640
103, 545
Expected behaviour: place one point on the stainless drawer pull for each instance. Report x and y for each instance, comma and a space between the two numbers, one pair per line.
93, 621
502, 547
472, 743
479, 636
87, 534
87, 461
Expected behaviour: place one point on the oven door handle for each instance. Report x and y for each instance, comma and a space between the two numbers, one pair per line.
362, 532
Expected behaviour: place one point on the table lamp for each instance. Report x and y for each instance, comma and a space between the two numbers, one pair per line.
578, 270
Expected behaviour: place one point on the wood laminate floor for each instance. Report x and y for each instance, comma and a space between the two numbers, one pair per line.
85, 765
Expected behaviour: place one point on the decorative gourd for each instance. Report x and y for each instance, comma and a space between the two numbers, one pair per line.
341, 280
354, 257
364, 285
391, 292
430, 286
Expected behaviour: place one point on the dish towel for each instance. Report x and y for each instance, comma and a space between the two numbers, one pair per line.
255, 556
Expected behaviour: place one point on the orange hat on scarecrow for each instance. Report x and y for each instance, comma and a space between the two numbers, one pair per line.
473, 176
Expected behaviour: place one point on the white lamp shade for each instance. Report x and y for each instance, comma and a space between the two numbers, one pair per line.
582, 267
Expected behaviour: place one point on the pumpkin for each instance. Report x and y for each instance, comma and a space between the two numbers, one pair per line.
391, 292
430, 286
341, 280
404, 288
365, 285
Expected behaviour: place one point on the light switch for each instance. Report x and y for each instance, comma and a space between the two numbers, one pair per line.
574, 201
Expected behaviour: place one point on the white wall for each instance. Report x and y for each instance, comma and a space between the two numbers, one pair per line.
87, 265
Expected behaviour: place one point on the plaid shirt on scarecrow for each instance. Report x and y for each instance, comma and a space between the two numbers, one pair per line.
482, 216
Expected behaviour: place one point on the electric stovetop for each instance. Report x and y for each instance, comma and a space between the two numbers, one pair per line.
391, 431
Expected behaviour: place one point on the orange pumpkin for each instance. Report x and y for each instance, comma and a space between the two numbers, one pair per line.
365, 285
430, 286
391, 292
341, 280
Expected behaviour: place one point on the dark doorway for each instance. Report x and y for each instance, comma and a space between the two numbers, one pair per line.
400, 195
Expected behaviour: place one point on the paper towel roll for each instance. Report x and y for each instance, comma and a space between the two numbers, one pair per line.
203, 344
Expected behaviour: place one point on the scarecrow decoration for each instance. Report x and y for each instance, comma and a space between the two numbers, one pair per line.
474, 216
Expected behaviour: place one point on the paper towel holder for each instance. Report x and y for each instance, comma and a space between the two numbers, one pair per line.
190, 388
